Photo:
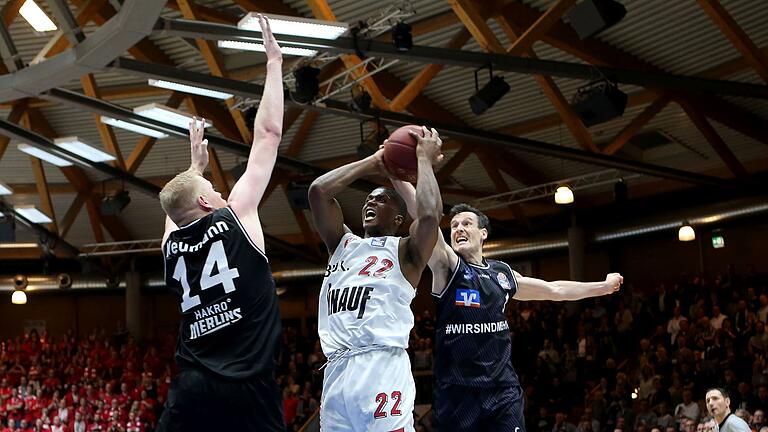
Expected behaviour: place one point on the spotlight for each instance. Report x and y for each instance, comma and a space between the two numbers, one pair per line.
599, 102
564, 195
361, 100
19, 297
401, 37
112, 205
590, 17
307, 85
686, 233
491, 92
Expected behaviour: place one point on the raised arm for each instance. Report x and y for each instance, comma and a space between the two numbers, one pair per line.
326, 211
443, 260
529, 288
267, 132
417, 248
199, 161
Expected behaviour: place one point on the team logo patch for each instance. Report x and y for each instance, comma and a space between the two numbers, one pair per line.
503, 281
378, 241
467, 298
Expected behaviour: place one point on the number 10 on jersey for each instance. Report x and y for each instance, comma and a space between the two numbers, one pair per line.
225, 276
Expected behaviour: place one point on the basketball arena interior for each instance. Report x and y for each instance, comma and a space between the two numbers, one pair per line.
598, 136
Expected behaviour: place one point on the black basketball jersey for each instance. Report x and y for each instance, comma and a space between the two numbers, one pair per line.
230, 318
473, 345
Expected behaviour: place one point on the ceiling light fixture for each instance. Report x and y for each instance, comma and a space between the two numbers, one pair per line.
80, 148
5, 189
44, 155
35, 16
32, 214
252, 46
19, 297
295, 26
132, 127
686, 233
564, 195
188, 89
492, 92
166, 114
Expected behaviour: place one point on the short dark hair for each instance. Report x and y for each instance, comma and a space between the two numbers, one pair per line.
482, 219
722, 391
402, 208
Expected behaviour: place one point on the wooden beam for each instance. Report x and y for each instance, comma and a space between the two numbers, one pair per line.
58, 43
321, 10
291, 115
491, 168
42, 190
540, 27
636, 124
714, 139
72, 212
449, 167
219, 176
14, 116
10, 11
94, 217
146, 143
208, 14
310, 237
108, 138
423, 78
555, 96
215, 63
301, 135
268, 6
738, 37
470, 15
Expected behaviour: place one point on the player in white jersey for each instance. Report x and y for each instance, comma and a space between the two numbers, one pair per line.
364, 314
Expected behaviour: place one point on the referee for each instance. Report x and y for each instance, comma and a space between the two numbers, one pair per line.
719, 407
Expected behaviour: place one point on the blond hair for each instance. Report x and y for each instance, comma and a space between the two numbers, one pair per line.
180, 192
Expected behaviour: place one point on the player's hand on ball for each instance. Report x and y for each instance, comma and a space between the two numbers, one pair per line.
429, 145
614, 281
378, 158
270, 44
199, 146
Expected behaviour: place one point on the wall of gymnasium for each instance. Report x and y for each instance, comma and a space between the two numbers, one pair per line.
644, 261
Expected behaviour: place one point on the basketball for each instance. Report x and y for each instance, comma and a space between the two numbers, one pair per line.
400, 153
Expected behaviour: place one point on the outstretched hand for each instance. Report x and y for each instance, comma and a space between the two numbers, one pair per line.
428, 144
198, 145
270, 44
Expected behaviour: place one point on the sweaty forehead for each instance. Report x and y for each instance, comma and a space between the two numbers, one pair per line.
378, 192
464, 216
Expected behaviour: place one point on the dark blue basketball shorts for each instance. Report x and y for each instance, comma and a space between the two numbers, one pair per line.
474, 409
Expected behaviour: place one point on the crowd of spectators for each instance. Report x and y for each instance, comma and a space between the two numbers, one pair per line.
638, 361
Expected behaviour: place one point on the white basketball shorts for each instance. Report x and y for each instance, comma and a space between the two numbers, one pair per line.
371, 391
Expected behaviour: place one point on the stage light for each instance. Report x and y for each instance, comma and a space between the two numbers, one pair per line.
686, 233
307, 84
132, 127
491, 93
402, 37
35, 16
188, 89
590, 17
19, 297
564, 195
599, 102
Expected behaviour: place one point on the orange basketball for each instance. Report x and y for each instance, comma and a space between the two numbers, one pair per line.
400, 153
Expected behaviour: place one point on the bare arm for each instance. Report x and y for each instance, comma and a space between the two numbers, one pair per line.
443, 260
267, 132
529, 288
326, 212
417, 248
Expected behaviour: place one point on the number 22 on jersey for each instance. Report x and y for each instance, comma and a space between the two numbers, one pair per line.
225, 275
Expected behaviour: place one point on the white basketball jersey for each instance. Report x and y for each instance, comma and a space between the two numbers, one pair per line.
365, 300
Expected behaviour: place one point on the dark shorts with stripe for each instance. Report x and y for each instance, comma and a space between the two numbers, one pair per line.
201, 401
476, 409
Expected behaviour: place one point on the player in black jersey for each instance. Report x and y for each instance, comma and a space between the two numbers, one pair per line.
477, 387
216, 267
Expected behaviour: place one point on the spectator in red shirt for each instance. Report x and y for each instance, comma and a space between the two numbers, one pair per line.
290, 404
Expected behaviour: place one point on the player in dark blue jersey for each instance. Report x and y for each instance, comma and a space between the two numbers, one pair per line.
477, 387
215, 265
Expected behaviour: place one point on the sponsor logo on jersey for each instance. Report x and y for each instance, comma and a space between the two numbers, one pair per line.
173, 247
333, 268
468, 273
212, 318
483, 276
378, 241
476, 328
503, 281
348, 299
467, 298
